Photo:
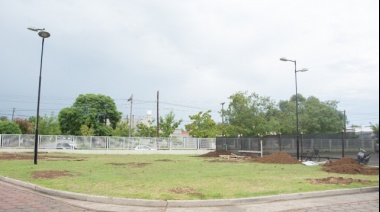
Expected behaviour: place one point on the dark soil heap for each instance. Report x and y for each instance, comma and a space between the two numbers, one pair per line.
349, 166
216, 153
277, 158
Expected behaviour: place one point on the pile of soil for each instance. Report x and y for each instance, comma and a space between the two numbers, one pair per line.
277, 158
349, 166
216, 153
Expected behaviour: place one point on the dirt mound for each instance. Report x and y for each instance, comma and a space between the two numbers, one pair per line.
216, 153
278, 158
349, 166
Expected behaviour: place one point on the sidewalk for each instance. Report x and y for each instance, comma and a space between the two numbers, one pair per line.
19, 196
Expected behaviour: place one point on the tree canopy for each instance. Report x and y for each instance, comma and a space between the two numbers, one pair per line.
9, 127
247, 114
251, 114
96, 112
315, 116
25, 125
202, 126
47, 125
168, 124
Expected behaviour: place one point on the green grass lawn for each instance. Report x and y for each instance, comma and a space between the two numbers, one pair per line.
171, 177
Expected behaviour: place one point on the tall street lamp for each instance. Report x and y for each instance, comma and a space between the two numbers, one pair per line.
130, 115
295, 73
222, 112
43, 34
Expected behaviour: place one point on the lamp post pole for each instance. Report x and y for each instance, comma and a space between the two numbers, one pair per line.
130, 115
43, 34
295, 74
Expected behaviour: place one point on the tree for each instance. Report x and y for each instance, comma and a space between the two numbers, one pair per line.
122, 129
321, 117
97, 112
86, 131
203, 126
287, 115
251, 114
168, 125
314, 116
145, 130
25, 126
3, 118
226, 129
48, 125
7, 127
71, 120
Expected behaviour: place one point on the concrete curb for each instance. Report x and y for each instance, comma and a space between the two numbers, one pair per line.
185, 203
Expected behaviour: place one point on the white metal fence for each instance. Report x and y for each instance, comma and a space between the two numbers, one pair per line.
26, 141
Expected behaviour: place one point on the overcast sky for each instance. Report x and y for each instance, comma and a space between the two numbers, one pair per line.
195, 53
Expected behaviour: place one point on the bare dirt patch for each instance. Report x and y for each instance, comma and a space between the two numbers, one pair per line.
29, 156
51, 174
13, 156
338, 181
232, 160
133, 164
185, 190
164, 160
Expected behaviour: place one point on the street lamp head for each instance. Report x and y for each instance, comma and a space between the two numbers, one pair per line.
285, 59
35, 29
303, 70
43, 34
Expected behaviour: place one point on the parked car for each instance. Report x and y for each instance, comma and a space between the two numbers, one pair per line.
63, 146
73, 145
143, 147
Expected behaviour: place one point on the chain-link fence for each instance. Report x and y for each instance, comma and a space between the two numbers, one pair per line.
329, 145
103, 142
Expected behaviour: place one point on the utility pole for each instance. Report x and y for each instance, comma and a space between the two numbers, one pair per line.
158, 116
222, 113
13, 113
130, 115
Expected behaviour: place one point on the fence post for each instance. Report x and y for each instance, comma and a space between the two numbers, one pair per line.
330, 144
342, 144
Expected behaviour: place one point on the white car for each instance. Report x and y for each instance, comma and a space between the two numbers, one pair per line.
73, 145
63, 146
143, 147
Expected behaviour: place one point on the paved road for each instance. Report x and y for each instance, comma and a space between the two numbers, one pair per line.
16, 198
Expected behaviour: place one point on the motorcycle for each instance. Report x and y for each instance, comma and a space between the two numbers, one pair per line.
363, 156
